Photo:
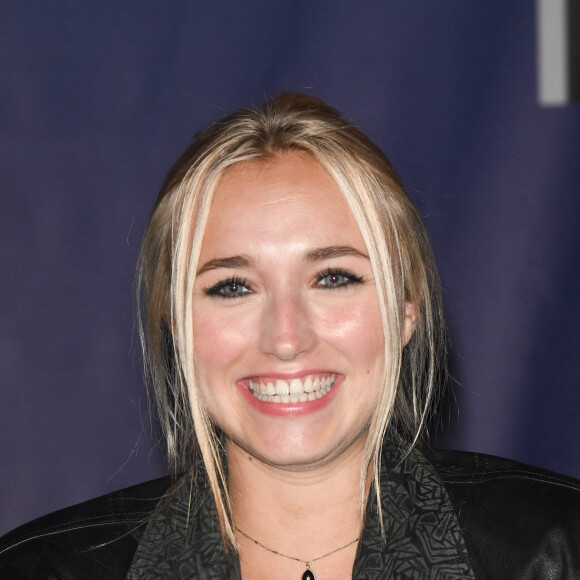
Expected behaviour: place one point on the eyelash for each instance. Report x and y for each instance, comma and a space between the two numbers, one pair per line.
217, 290
350, 278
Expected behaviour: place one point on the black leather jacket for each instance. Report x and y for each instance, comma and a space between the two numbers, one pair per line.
457, 515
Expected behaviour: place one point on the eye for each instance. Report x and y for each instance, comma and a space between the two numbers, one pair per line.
333, 278
231, 288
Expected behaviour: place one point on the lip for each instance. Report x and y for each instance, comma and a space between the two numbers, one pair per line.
289, 409
289, 375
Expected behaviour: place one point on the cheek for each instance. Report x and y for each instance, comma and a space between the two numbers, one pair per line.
219, 339
356, 330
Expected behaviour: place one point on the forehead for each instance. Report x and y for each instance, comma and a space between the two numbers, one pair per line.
290, 190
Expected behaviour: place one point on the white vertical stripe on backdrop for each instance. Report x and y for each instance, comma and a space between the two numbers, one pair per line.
552, 54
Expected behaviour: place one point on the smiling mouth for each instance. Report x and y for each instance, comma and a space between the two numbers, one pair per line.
310, 388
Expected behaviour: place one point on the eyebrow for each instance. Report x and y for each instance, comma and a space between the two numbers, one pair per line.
231, 262
316, 255
320, 254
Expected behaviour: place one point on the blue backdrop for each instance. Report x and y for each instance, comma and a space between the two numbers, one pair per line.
97, 99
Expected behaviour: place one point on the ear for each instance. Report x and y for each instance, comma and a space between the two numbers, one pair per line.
409, 323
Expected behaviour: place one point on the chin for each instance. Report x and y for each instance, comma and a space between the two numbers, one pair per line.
306, 457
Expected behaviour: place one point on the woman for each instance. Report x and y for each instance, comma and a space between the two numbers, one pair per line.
295, 342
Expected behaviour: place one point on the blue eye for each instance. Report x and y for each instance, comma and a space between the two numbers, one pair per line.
231, 288
336, 278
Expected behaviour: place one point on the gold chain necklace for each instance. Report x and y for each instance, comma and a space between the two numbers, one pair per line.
308, 574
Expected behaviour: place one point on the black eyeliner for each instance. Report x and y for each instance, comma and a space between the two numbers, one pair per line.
233, 281
352, 278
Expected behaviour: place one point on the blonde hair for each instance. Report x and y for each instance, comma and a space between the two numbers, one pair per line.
396, 241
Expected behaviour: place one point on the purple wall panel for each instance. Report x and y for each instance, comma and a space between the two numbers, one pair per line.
96, 101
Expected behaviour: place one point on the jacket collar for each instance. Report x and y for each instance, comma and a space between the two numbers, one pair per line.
182, 539
422, 537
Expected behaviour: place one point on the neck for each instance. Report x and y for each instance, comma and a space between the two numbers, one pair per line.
303, 513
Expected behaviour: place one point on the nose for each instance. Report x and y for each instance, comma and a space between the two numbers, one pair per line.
287, 330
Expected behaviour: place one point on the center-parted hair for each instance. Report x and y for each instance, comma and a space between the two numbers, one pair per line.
396, 241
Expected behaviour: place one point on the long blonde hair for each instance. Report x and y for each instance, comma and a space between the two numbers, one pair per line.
396, 241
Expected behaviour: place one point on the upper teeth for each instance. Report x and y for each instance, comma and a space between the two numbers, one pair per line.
293, 391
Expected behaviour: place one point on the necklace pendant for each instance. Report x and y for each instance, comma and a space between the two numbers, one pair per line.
308, 575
